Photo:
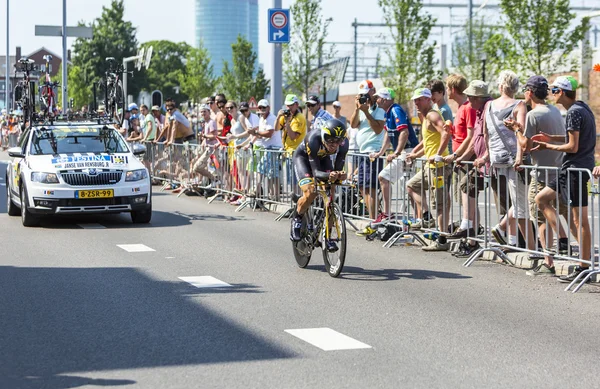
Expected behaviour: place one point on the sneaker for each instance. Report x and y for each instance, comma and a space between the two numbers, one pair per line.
460, 234
420, 223
498, 235
574, 274
431, 235
542, 270
437, 246
332, 247
296, 233
467, 250
381, 217
367, 231
563, 247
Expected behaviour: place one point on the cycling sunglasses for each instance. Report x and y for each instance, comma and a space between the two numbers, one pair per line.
335, 141
554, 90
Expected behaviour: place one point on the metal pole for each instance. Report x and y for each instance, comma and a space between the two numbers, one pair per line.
470, 30
325, 93
355, 25
276, 80
483, 69
7, 80
64, 58
125, 80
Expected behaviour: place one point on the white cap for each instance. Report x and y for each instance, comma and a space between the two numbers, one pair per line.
204, 107
263, 103
337, 104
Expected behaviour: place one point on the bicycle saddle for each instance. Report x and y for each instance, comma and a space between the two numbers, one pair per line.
47, 57
110, 59
26, 60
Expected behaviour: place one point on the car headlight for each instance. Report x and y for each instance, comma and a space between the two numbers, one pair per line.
136, 175
44, 178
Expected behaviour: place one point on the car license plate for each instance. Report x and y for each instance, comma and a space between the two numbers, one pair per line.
94, 194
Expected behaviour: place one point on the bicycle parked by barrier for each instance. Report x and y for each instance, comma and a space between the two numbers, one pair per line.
24, 90
48, 92
112, 87
328, 224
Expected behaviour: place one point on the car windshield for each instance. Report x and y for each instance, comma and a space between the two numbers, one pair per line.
63, 140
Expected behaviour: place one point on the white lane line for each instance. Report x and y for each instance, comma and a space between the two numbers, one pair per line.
2, 184
91, 226
327, 339
135, 248
205, 282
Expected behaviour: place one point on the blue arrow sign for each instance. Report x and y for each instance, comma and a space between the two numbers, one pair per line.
279, 25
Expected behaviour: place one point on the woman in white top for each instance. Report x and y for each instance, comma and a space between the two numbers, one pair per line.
504, 153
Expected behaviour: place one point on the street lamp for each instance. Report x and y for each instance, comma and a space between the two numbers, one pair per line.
483, 61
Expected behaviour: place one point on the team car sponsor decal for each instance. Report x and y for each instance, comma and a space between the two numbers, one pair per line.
117, 160
135, 190
49, 192
82, 161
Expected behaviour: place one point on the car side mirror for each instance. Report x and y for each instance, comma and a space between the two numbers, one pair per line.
138, 149
16, 152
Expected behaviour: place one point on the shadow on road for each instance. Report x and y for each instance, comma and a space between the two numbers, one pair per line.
359, 274
56, 321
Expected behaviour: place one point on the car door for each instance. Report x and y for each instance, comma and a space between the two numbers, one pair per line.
15, 166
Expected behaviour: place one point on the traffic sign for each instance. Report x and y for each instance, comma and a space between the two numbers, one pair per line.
252, 104
279, 25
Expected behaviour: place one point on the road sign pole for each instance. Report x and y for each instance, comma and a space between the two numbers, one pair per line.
276, 77
64, 58
7, 79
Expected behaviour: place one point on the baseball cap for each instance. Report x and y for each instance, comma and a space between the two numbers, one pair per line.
566, 83
291, 99
386, 93
421, 92
537, 82
313, 99
244, 105
132, 106
365, 86
155, 108
263, 103
477, 88
204, 107
337, 104
101, 108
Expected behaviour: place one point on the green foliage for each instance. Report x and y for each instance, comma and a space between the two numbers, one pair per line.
540, 38
412, 55
306, 48
240, 83
113, 37
166, 67
197, 81
78, 88
486, 44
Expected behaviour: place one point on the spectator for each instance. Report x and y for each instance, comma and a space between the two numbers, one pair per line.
292, 124
438, 96
125, 127
505, 154
177, 128
147, 122
209, 144
370, 121
436, 174
579, 154
250, 125
337, 107
135, 133
398, 132
320, 116
214, 110
159, 119
542, 118
133, 108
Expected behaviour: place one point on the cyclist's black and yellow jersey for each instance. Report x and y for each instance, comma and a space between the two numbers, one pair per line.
311, 159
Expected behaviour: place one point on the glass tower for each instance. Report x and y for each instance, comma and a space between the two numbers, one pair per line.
218, 23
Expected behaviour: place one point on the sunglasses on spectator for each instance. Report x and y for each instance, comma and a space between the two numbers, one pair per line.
310, 105
555, 91
243, 110
170, 108
230, 107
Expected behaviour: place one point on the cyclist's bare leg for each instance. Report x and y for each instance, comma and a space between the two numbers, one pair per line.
309, 194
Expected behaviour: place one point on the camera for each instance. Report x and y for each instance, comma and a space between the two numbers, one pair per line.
364, 98
286, 112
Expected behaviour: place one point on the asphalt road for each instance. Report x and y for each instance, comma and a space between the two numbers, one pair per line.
76, 310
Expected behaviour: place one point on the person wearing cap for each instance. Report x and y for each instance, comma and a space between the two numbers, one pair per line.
400, 134
579, 152
320, 116
133, 108
435, 175
546, 118
337, 107
292, 124
370, 121
210, 142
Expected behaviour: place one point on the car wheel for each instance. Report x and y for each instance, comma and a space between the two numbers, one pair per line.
141, 217
11, 208
27, 218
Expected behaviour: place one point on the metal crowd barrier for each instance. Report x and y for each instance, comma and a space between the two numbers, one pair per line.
262, 178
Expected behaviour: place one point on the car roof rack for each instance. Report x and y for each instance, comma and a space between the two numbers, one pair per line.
72, 119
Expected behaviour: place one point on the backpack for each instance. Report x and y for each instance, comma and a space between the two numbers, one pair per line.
385, 232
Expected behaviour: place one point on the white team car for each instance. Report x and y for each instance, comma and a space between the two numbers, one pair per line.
76, 168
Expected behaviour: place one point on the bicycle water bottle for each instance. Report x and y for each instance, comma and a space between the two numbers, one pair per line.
438, 182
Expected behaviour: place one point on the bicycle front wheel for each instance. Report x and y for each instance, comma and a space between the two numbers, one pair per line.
119, 102
334, 253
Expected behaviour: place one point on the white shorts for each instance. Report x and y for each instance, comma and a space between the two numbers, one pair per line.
395, 169
518, 192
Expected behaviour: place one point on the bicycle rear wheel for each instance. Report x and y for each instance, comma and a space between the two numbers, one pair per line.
334, 261
119, 102
303, 249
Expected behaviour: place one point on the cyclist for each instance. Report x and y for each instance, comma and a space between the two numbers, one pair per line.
313, 159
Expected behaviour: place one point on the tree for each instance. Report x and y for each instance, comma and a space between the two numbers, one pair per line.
78, 88
113, 37
412, 55
167, 65
243, 81
540, 36
487, 43
197, 81
306, 51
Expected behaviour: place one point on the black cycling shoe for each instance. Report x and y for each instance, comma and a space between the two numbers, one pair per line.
332, 247
296, 232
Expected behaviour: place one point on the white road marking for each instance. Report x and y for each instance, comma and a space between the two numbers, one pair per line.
2, 184
135, 248
169, 257
91, 226
327, 339
205, 282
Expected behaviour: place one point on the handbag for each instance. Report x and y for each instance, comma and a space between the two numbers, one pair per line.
506, 158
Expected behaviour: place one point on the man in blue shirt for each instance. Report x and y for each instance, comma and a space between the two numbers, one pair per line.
401, 135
